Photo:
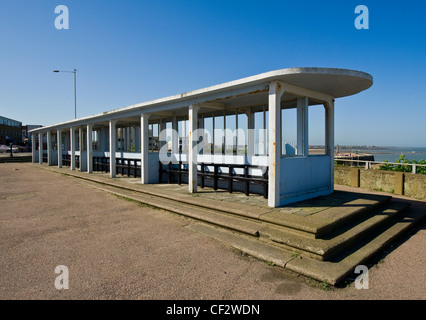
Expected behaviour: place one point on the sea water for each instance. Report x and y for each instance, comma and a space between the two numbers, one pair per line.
392, 154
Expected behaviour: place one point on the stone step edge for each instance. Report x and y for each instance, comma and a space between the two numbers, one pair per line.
194, 202
299, 227
332, 273
182, 198
216, 218
321, 249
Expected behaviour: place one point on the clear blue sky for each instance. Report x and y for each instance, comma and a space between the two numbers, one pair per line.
128, 52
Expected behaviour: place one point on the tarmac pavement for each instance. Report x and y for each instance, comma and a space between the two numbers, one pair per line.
117, 249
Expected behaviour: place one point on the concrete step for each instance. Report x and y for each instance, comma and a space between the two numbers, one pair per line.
210, 216
290, 237
321, 223
336, 270
332, 272
324, 249
324, 238
320, 249
347, 207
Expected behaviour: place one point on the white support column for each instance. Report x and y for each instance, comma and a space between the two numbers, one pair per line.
302, 127
33, 146
112, 147
49, 148
89, 149
144, 148
192, 153
200, 140
329, 138
250, 133
80, 141
40, 148
276, 90
213, 134
161, 128
59, 147
175, 136
72, 148
80, 147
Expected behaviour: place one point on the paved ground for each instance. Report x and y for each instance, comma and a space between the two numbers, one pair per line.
116, 249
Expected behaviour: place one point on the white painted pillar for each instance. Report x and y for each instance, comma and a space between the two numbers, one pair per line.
192, 153
276, 90
302, 127
49, 148
33, 147
59, 147
80, 147
105, 139
200, 140
250, 133
213, 134
89, 148
144, 148
329, 138
66, 142
80, 141
112, 147
72, 147
161, 127
175, 136
40, 148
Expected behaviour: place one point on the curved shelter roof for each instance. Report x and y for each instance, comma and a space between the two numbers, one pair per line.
332, 82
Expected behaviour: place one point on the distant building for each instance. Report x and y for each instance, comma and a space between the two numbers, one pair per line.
10, 131
25, 131
26, 135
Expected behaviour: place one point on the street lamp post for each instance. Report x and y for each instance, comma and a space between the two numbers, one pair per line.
75, 89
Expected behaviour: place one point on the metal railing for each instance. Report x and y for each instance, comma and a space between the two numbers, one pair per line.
367, 164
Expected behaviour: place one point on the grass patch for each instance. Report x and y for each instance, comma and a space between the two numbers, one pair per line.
318, 284
296, 254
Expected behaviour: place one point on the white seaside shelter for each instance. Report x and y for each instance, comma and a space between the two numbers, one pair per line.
230, 135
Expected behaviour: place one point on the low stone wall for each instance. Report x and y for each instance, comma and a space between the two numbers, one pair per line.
408, 184
415, 185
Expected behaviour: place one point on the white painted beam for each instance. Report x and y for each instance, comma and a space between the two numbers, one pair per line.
212, 105
303, 92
